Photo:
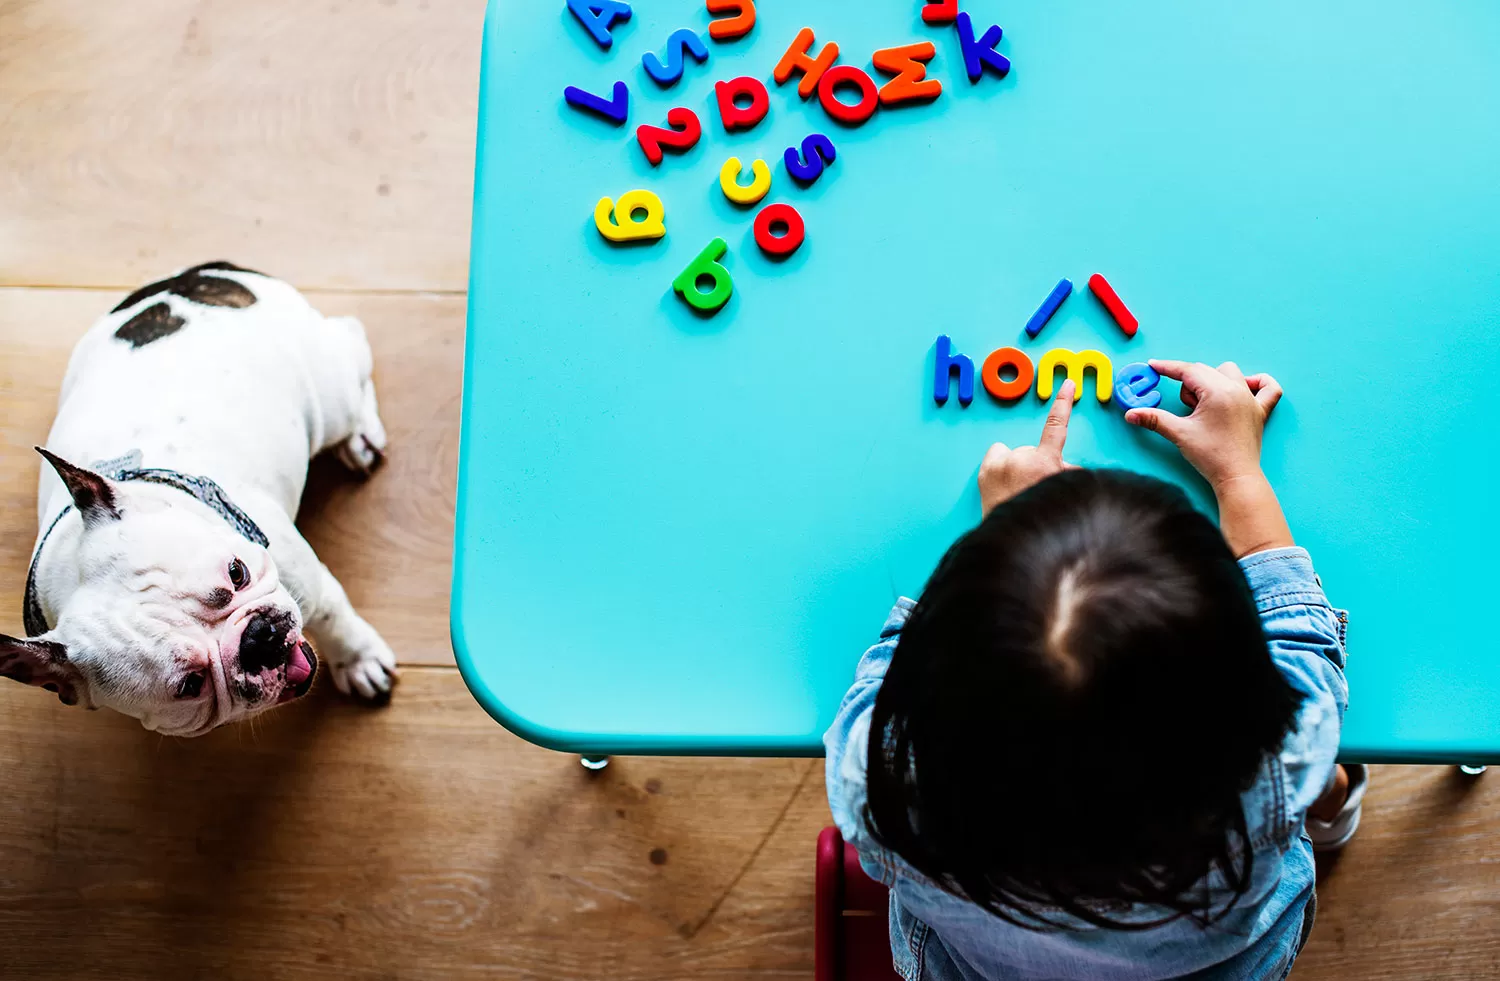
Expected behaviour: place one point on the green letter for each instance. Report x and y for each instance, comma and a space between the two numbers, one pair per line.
707, 264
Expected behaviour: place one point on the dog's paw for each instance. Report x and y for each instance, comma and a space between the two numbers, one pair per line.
364, 451
369, 675
361, 454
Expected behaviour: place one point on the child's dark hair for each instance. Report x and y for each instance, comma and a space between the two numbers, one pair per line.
1074, 708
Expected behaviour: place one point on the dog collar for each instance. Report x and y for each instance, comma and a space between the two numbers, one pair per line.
124, 470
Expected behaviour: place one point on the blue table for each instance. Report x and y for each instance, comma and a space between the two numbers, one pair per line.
676, 533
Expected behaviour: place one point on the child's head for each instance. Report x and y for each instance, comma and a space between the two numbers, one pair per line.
1075, 706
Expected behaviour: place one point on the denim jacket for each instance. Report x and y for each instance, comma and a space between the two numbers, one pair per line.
936, 936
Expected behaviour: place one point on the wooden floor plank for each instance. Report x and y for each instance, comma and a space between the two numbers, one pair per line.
1417, 893
423, 841
420, 841
389, 540
331, 141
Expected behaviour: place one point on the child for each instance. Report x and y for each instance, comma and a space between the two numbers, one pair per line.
1091, 749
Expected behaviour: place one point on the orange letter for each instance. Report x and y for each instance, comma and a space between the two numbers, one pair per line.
728, 28
798, 59
906, 63
1007, 391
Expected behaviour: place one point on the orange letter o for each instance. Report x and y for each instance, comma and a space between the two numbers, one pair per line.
1008, 391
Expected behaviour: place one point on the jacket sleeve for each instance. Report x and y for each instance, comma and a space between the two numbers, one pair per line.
1306, 639
847, 740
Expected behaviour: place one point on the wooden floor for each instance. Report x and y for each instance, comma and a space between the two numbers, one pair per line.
331, 142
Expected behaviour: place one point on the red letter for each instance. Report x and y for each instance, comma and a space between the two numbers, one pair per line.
681, 137
785, 243
1112, 302
869, 97
736, 117
797, 59
939, 11
906, 63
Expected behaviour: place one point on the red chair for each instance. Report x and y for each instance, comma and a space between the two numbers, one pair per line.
851, 941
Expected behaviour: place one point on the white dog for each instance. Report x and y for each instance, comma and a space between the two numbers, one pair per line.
169, 581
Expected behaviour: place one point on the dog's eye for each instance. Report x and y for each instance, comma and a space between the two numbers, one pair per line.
239, 574
191, 686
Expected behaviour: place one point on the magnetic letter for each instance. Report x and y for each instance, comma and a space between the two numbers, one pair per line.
939, 11
1116, 306
734, 116
1075, 364
981, 53
818, 150
759, 186
597, 16
1007, 391
680, 41
1049, 306
907, 63
707, 264
869, 96
797, 59
624, 227
615, 109
1135, 386
729, 28
680, 138
944, 364
779, 245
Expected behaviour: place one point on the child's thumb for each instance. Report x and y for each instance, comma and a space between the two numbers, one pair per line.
1158, 421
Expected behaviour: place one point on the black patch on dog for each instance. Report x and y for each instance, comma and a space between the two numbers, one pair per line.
248, 690
218, 599
16, 670
190, 284
215, 291
151, 324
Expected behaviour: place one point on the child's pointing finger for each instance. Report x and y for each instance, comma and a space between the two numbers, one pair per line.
1055, 429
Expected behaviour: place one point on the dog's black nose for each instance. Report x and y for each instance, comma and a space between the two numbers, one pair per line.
264, 644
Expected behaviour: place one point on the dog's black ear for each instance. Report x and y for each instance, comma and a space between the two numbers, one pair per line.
93, 496
42, 663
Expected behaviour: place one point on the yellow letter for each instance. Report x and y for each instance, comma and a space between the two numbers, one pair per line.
729, 181
624, 227
1076, 363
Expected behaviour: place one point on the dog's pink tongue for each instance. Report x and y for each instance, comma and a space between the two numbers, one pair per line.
299, 668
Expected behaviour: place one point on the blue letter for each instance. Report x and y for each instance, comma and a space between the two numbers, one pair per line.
818, 150
1135, 386
1049, 307
943, 367
676, 44
615, 109
598, 15
979, 53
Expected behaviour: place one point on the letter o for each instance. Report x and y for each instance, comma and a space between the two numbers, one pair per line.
1007, 391
869, 95
779, 245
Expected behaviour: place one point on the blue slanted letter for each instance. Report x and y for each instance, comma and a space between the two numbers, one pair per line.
597, 16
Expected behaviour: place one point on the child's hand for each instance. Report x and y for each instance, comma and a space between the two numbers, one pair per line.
1221, 435
1006, 472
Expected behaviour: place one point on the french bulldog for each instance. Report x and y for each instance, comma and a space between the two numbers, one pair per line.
168, 581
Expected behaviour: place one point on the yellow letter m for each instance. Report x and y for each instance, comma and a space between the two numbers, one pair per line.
1104, 380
